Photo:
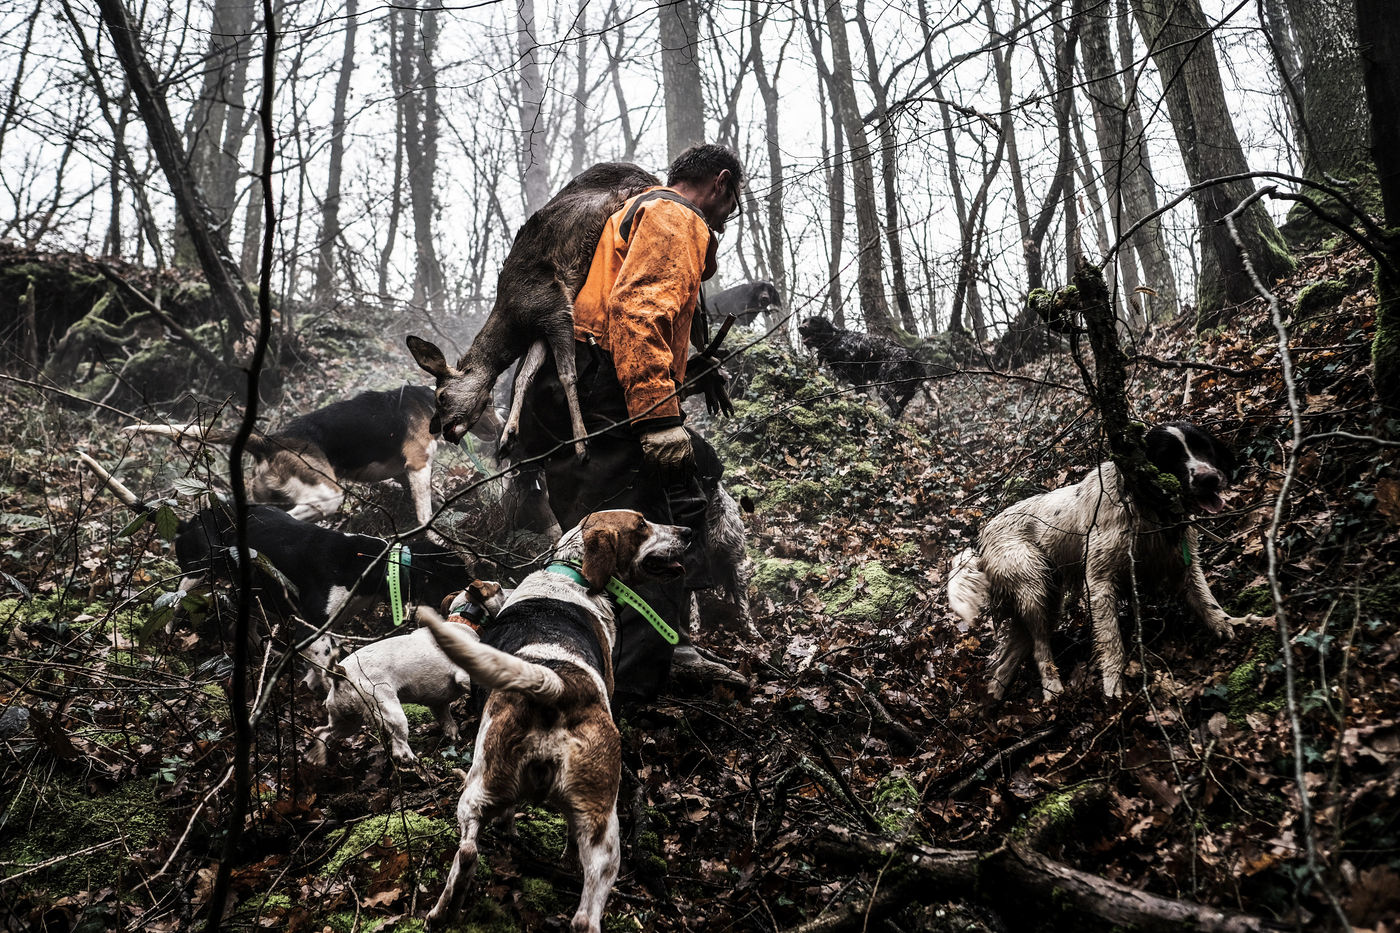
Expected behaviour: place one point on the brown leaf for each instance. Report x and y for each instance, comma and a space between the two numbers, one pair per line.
1388, 499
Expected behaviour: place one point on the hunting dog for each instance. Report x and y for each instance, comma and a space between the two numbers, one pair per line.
371, 685
373, 436
534, 309
328, 574
1092, 534
867, 361
547, 731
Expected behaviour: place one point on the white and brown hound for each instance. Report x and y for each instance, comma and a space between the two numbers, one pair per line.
1092, 534
547, 731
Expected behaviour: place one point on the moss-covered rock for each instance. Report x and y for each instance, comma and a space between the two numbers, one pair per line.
1319, 296
1244, 685
773, 576
544, 831
871, 594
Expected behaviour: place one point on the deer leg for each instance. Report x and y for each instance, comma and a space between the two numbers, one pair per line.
524, 377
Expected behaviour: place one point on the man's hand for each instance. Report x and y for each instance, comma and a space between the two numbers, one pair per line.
667, 449
703, 374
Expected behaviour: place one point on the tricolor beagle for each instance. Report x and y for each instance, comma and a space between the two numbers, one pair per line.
547, 731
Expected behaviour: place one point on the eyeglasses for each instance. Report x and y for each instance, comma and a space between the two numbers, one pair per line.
738, 205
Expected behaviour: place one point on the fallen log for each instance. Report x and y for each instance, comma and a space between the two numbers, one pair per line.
1015, 875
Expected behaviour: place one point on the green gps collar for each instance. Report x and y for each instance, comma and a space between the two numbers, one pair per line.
623, 593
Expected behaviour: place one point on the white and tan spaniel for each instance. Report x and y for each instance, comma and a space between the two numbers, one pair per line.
1092, 534
547, 732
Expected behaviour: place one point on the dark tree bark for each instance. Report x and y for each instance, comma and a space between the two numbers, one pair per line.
400, 76
679, 21
329, 236
1283, 44
1180, 42
227, 288
1334, 109
1378, 32
417, 48
869, 257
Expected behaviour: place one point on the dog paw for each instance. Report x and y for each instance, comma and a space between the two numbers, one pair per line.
1112, 686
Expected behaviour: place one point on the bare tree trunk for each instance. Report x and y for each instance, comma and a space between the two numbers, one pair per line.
1127, 268
768, 91
679, 22
1026, 338
1183, 50
217, 122
618, 27
534, 146
834, 161
253, 214
399, 79
323, 287
869, 257
578, 150
1283, 43
417, 47
889, 170
227, 288
13, 101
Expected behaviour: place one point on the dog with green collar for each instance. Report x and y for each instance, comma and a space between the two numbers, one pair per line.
547, 731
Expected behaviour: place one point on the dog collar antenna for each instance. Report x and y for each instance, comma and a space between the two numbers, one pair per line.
396, 571
624, 594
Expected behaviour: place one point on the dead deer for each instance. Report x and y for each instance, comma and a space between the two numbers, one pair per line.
534, 309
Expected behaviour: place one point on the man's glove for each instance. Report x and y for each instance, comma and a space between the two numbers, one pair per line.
703, 374
667, 449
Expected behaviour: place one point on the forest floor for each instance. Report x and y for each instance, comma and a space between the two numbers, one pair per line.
863, 782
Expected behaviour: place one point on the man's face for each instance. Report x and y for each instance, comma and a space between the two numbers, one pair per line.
721, 201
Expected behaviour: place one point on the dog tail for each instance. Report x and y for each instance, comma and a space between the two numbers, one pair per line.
118, 487
489, 666
968, 589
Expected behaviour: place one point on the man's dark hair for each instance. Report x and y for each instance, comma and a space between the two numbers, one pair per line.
702, 162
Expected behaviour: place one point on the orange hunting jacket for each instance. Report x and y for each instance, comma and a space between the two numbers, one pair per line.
640, 296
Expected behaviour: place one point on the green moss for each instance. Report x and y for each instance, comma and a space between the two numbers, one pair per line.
1319, 296
895, 803
418, 715
404, 830
871, 594
1243, 683
60, 817
545, 831
772, 575
1254, 600
539, 895
486, 916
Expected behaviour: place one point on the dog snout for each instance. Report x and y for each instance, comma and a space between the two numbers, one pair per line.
1208, 480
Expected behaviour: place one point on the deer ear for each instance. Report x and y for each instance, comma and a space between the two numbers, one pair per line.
599, 554
428, 357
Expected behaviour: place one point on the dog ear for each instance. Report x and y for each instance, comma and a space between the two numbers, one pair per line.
600, 544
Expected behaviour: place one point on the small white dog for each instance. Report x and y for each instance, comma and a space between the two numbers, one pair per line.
371, 685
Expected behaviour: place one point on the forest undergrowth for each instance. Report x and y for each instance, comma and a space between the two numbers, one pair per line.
866, 721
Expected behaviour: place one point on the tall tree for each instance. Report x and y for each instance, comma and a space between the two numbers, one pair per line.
330, 207
219, 120
845, 107
768, 92
889, 171
1127, 178
1378, 32
417, 97
228, 290
679, 22
1182, 46
534, 144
